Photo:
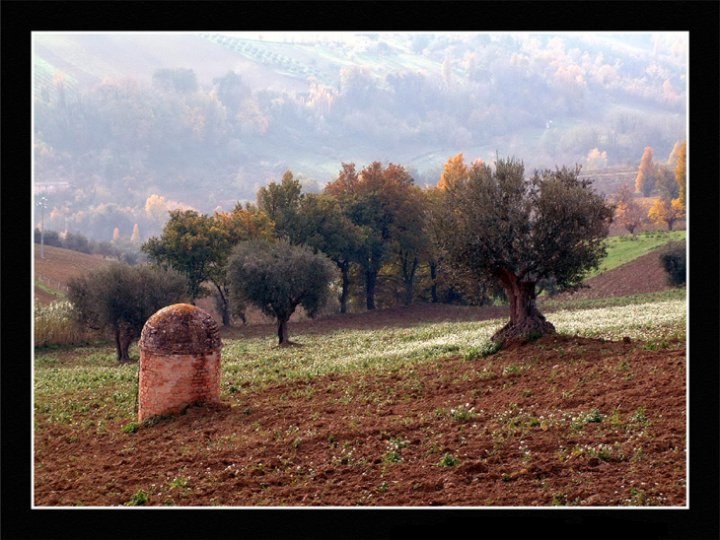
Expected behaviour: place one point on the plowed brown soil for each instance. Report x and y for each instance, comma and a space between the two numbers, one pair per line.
642, 275
561, 421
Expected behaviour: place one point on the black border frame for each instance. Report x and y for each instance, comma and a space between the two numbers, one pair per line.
20, 18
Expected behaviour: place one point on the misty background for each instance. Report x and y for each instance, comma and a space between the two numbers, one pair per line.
128, 126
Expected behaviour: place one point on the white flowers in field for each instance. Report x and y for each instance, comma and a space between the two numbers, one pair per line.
637, 321
463, 413
255, 359
57, 313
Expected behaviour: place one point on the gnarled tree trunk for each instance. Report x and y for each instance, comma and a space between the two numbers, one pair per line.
526, 322
124, 336
283, 337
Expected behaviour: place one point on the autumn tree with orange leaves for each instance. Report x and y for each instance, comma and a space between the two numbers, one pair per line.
379, 200
666, 211
681, 172
628, 212
453, 172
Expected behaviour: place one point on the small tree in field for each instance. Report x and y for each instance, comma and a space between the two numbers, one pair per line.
627, 211
673, 260
666, 211
517, 232
121, 298
277, 277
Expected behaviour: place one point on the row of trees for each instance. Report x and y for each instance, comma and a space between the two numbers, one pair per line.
668, 183
480, 229
480, 232
366, 222
121, 249
665, 180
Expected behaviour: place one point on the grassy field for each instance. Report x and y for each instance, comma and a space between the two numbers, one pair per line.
625, 248
91, 374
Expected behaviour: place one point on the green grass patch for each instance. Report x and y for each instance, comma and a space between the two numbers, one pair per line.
87, 386
550, 304
625, 248
59, 295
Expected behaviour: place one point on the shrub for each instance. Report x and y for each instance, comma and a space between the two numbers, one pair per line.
673, 261
54, 325
121, 298
448, 460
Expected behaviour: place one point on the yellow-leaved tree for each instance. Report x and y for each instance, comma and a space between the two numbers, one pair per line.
454, 170
681, 171
645, 179
666, 211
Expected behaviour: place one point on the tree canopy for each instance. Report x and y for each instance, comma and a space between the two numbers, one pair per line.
382, 202
666, 211
281, 203
517, 232
191, 245
681, 172
121, 298
278, 277
322, 225
198, 246
627, 211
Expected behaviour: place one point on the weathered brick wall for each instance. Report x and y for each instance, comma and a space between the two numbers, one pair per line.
179, 361
170, 383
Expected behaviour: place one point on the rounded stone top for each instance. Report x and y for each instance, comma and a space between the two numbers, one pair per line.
180, 329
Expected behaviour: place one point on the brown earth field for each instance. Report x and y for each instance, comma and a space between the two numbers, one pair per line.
564, 420
644, 274
560, 421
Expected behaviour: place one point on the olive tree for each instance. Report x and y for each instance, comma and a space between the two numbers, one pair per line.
516, 232
277, 277
121, 298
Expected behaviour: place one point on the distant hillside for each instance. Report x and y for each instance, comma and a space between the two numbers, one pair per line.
128, 125
90, 58
59, 265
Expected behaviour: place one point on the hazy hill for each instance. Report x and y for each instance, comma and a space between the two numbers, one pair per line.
130, 125
59, 265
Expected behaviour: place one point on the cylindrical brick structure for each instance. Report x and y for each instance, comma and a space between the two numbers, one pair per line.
179, 361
